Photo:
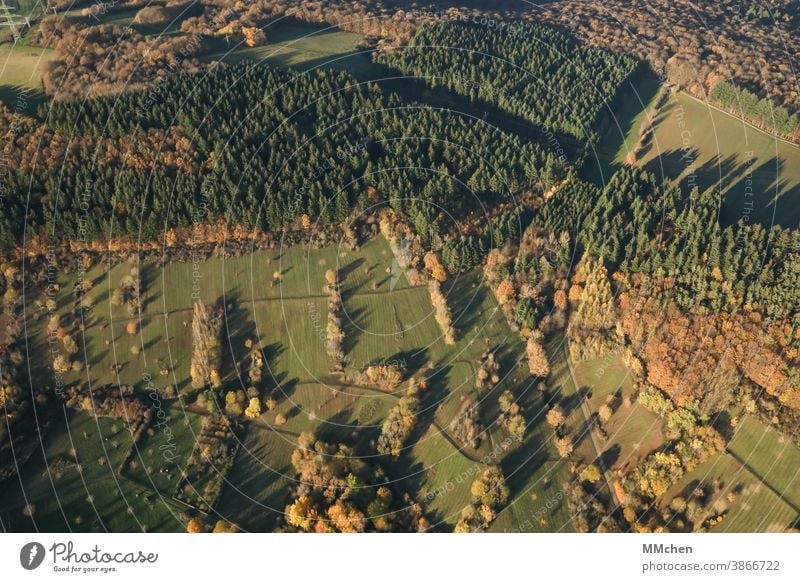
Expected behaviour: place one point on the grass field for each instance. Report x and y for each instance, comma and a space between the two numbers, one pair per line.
300, 46
755, 508
698, 145
84, 492
385, 318
165, 447
21, 68
770, 456
259, 485
632, 432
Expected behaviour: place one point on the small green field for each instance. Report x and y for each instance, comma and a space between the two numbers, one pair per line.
301, 46
259, 486
164, 449
771, 456
21, 68
748, 504
699, 145
633, 432
72, 483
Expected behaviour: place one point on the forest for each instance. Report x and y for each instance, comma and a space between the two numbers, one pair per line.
285, 145
528, 69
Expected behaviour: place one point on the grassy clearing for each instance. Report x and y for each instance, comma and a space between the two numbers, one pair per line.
259, 484
304, 47
443, 477
696, 144
633, 432
770, 455
164, 449
753, 508
331, 409
86, 493
540, 503
21, 68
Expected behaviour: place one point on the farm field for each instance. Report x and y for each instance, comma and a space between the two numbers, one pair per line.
699, 145
771, 456
300, 46
753, 506
633, 432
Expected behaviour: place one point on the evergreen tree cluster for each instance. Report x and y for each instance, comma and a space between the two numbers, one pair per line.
528, 69
640, 226
276, 145
762, 112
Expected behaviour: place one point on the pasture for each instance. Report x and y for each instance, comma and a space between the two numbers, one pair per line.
72, 483
301, 46
695, 144
21, 68
633, 431
275, 300
774, 458
747, 503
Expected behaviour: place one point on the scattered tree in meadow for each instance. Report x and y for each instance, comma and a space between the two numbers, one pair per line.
511, 415
565, 446
591, 474
385, 376
486, 376
556, 416
538, 363
466, 425
489, 493
253, 409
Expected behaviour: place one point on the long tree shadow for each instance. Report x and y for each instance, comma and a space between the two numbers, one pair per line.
354, 321
763, 192
238, 328
344, 272
147, 278
466, 302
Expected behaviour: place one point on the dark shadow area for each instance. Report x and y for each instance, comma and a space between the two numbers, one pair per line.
616, 121
353, 321
610, 456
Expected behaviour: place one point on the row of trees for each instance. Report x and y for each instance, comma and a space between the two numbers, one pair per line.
761, 112
333, 328
401, 420
206, 349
